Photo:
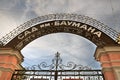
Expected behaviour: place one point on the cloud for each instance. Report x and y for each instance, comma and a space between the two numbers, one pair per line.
7, 24
5, 5
10, 15
103, 11
63, 41
74, 47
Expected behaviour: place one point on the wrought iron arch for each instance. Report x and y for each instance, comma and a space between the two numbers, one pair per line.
87, 27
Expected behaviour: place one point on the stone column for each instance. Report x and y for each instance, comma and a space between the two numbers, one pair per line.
109, 57
10, 59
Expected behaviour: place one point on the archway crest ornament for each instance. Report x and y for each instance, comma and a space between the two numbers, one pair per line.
87, 27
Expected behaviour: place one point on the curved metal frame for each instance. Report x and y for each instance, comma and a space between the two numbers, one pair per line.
63, 16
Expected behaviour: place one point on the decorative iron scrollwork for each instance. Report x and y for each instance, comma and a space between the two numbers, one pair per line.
57, 65
58, 71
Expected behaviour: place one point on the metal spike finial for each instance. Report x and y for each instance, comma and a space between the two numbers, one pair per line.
57, 54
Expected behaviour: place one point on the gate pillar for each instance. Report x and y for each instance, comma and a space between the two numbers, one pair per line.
10, 59
109, 57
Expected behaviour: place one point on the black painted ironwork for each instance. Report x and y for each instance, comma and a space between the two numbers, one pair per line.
61, 74
57, 65
63, 16
58, 71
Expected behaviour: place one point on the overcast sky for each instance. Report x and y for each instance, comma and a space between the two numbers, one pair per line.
74, 47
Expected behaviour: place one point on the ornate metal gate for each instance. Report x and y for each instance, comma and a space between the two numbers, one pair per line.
58, 71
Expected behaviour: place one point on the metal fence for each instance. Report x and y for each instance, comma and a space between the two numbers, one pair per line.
57, 75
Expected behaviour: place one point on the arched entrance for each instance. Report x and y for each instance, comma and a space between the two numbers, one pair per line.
91, 29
